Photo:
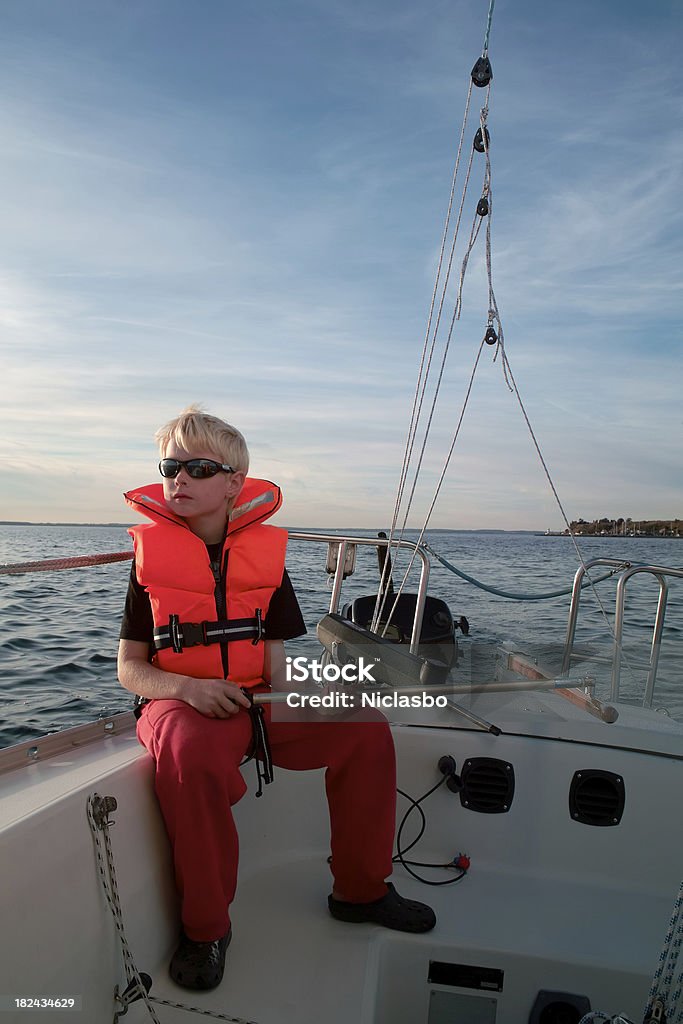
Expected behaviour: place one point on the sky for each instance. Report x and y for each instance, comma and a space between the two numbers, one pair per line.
241, 205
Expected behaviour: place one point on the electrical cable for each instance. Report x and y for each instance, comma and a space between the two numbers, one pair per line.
399, 857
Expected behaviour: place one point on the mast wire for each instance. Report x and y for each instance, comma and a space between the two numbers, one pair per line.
474, 234
489, 19
493, 316
419, 394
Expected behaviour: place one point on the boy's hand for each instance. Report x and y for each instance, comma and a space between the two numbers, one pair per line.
215, 698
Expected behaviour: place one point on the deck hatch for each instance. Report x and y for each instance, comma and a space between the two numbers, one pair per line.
488, 785
597, 797
485, 979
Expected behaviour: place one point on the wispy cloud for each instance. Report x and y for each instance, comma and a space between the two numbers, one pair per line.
245, 209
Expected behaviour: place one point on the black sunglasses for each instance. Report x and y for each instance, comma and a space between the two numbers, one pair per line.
198, 469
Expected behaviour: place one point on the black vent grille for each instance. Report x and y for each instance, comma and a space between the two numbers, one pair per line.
597, 797
488, 785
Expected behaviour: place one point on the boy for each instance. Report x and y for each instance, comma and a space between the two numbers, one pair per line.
210, 603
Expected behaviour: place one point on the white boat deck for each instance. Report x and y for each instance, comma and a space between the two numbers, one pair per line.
291, 962
553, 904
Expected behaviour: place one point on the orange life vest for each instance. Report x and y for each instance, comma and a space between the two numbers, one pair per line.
192, 635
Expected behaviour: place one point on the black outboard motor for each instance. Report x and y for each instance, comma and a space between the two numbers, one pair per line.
437, 635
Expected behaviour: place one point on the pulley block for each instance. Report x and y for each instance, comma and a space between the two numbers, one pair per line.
482, 72
490, 337
133, 991
483, 207
479, 140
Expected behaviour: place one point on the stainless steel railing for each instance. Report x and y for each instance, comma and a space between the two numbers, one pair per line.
660, 573
344, 543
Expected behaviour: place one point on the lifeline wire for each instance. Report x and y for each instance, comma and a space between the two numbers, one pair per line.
546, 596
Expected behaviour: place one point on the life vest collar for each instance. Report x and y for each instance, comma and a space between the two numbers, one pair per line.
150, 501
255, 505
257, 501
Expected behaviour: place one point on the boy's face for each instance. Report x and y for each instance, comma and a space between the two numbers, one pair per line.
205, 499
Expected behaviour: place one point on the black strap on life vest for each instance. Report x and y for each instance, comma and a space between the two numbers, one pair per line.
260, 743
260, 749
180, 635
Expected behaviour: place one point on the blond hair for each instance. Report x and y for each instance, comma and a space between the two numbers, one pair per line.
196, 429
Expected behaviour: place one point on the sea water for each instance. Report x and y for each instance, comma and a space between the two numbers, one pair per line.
59, 629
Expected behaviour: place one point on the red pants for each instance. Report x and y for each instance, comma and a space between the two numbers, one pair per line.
198, 780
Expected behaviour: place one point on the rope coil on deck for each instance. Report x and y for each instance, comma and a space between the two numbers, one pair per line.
99, 809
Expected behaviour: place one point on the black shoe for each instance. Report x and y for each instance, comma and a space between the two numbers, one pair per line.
391, 911
199, 964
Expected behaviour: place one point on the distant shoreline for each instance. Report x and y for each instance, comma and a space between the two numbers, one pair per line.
370, 530
613, 536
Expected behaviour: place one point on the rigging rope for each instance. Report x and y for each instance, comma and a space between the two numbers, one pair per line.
488, 28
603, 611
421, 385
519, 597
431, 508
493, 313
663, 980
663, 1006
417, 411
98, 810
418, 401
492, 336
77, 562
419, 397
427, 371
